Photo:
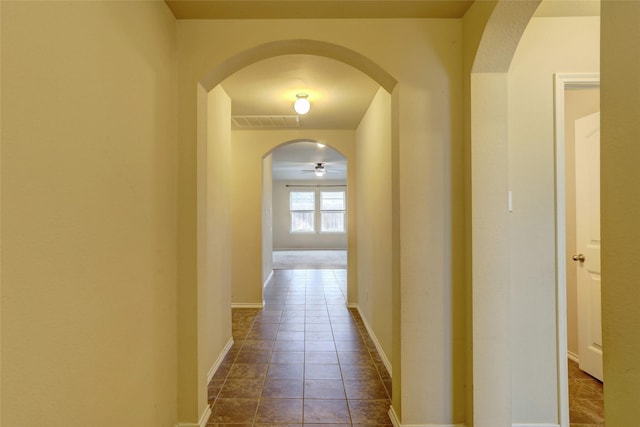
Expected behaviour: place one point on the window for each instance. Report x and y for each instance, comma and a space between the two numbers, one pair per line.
332, 209
330, 215
302, 205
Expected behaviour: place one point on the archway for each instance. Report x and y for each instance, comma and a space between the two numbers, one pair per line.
488, 140
214, 172
297, 239
426, 191
504, 220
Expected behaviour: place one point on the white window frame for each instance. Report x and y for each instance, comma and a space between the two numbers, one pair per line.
317, 212
342, 211
294, 212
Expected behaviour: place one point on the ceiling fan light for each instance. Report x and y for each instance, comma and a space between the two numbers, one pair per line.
319, 172
302, 105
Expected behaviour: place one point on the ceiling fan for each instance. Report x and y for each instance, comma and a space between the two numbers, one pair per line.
319, 169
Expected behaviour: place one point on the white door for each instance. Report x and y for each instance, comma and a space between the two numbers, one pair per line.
588, 243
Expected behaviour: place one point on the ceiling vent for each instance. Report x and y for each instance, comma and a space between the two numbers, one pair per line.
265, 122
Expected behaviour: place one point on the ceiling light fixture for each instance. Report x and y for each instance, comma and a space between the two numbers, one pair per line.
302, 105
319, 169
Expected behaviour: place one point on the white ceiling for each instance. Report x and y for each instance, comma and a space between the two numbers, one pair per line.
339, 96
296, 161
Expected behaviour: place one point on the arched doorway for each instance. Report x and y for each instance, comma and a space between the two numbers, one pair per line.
528, 358
303, 230
215, 103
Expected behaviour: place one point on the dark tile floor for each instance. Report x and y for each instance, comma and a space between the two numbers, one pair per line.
586, 401
303, 359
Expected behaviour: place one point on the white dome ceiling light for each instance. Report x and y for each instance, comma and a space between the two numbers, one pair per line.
302, 105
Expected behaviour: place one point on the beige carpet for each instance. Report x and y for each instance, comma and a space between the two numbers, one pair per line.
309, 259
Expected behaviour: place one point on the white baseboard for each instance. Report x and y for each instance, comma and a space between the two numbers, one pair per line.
382, 354
394, 417
203, 419
247, 305
219, 360
207, 411
264, 285
572, 356
396, 422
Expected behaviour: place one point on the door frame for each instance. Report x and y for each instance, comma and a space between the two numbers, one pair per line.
563, 81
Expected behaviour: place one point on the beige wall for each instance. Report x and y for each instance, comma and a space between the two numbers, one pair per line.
247, 151
88, 214
214, 238
474, 23
282, 238
373, 138
579, 102
267, 217
620, 209
548, 45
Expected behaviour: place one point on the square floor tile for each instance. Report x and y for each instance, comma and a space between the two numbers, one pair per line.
359, 372
287, 371
354, 357
326, 411
316, 319
291, 327
318, 336
233, 411
282, 389
323, 389
346, 335
257, 345
248, 371
350, 345
287, 357
253, 356
289, 346
290, 336
336, 320
262, 334
214, 388
365, 389
322, 372
234, 388
274, 411
293, 319
369, 411
321, 357
320, 346
318, 327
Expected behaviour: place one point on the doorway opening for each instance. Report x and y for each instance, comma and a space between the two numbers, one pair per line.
305, 208
238, 174
309, 205
578, 240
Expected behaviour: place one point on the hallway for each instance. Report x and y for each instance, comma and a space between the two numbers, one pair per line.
302, 359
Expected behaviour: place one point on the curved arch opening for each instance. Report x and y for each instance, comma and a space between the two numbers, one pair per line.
295, 237
312, 140
300, 46
219, 147
515, 37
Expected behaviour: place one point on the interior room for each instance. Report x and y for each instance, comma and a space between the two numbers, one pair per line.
146, 147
